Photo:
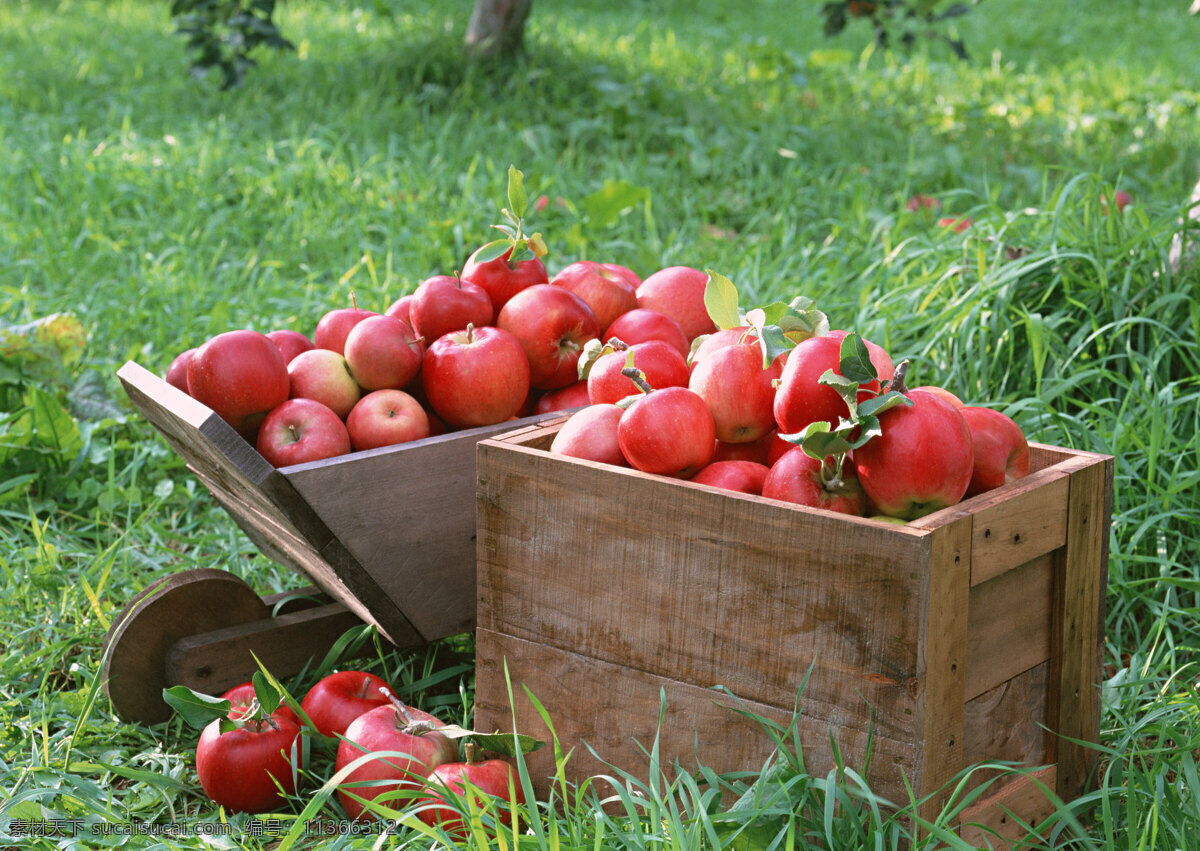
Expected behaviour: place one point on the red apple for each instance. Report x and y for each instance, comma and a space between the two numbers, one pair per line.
395, 728
625, 272
324, 376
177, 370
1001, 450
444, 303
552, 325
799, 478
563, 399
242, 697
241, 375
337, 699
718, 340
301, 430
661, 363
502, 279
668, 431
943, 392
607, 292
383, 354
923, 202
475, 377
333, 327
756, 450
959, 224
253, 767
291, 343
385, 418
640, 325
491, 785
401, 308
738, 390
591, 433
922, 461
801, 398
678, 291
741, 476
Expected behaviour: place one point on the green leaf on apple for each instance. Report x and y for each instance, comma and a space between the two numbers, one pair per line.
266, 694
508, 744
847, 388
869, 427
855, 362
493, 250
197, 710
876, 405
517, 199
721, 300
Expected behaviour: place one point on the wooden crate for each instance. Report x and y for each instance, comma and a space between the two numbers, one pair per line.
959, 638
390, 532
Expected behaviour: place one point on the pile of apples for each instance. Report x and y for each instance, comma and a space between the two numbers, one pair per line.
790, 411
251, 757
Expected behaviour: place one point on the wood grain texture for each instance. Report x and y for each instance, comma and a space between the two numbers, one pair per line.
939, 713
701, 586
1009, 723
1081, 577
995, 821
1010, 619
607, 715
1017, 523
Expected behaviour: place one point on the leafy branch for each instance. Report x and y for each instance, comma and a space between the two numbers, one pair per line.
221, 34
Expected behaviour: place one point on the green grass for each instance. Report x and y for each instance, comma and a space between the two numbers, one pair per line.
160, 211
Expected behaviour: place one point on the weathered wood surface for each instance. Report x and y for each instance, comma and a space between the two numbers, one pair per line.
995, 821
1010, 620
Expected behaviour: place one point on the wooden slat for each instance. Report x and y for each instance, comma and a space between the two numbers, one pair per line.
702, 586
1018, 524
939, 712
1010, 620
601, 712
1078, 624
995, 820
1008, 724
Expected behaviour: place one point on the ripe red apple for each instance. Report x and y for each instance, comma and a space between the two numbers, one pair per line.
625, 272
397, 728
591, 433
678, 291
491, 784
444, 303
923, 460
242, 697
661, 363
607, 292
241, 375
337, 699
552, 325
799, 478
291, 343
802, 399
335, 325
301, 430
382, 353
1001, 450
475, 377
177, 370
741, 476
385, 418
719, 339
738, 390
502, 279
250, 769
640, 325
756, 450
563, 399
1121, 199
943, 392
923, 202
959, 224
668, 431
401, 308
324, 376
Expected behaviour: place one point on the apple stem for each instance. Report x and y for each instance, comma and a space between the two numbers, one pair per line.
470, 752
292, 429
897, 382
637, 377
365, 687
411, 725
833, 482
470, 332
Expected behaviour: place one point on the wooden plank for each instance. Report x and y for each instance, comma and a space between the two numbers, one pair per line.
995, 821
702, 586
1081, 576
939, 712
606, 714
213, 661
1009, 621
1014, 526
1008, 724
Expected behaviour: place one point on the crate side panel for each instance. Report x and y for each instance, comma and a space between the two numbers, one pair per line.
1007, 724
609, 709
1009, 622
1015, 527
701, 586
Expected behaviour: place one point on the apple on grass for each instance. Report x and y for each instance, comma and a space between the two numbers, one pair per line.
252, 767
335, 325
445, 303
242, 698
642, 324
475, 377
1001, 450
336, 699
799, 478
324, 376
241, 375
591, 433
678, 291
386, 418
301, 430
457, 789
383, 353
552, 325
607, 292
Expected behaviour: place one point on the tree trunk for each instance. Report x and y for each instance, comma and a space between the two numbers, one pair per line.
497, 28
